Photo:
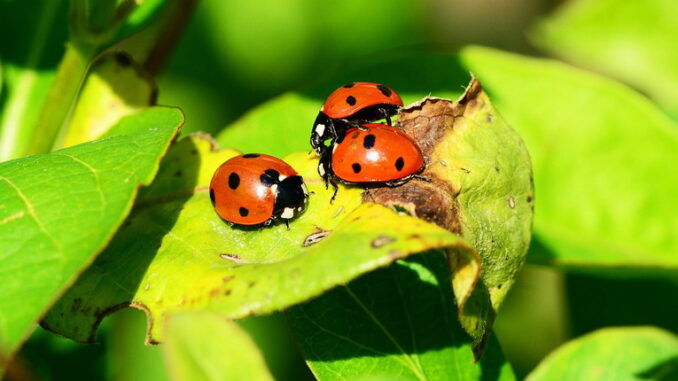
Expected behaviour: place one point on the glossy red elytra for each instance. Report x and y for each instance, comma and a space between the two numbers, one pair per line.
350, 105
255, 189
373, 153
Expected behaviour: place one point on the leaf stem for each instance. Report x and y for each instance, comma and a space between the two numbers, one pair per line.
14, 133
61, 98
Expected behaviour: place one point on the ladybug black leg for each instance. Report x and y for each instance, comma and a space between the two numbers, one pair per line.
287, 223
336, 190
388, 120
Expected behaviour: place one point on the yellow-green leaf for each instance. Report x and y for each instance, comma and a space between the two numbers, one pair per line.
174, 253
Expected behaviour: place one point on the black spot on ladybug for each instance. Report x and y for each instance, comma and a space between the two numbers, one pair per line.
356, 168
368, 141
350, 100
400, 163
233, 180
384, 90
243, 212
349, 85
269, 177
212, 196
250, 155
273, 173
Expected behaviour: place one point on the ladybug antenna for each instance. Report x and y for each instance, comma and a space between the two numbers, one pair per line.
336, 189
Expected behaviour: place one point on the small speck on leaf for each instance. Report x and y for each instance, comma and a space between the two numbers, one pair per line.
380, 241
315, 237
232, 257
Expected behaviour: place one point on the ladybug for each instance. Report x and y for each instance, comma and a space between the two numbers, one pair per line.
255, 189
351, 105
373, 153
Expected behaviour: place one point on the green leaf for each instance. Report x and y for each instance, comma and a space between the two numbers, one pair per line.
603, 158
32, 40
634, 41
625, 353
114, 88
58, 211
397, 323
174, 253
205, 346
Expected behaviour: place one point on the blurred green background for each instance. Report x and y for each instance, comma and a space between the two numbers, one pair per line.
234, 55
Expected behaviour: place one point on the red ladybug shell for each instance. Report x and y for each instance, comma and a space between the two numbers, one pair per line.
353, 97
380, 153
237, 192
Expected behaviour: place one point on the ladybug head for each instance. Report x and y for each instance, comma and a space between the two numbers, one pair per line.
290, 199
323, 130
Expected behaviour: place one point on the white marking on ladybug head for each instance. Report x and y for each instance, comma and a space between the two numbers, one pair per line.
304, 189
319, 129
321, 169
287, 213
274, 188
281, 177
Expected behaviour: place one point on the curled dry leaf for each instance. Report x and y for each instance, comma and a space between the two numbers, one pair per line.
480, 187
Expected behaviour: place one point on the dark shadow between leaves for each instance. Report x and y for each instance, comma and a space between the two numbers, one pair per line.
21, 21
538, 253
391, 311
597, 301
